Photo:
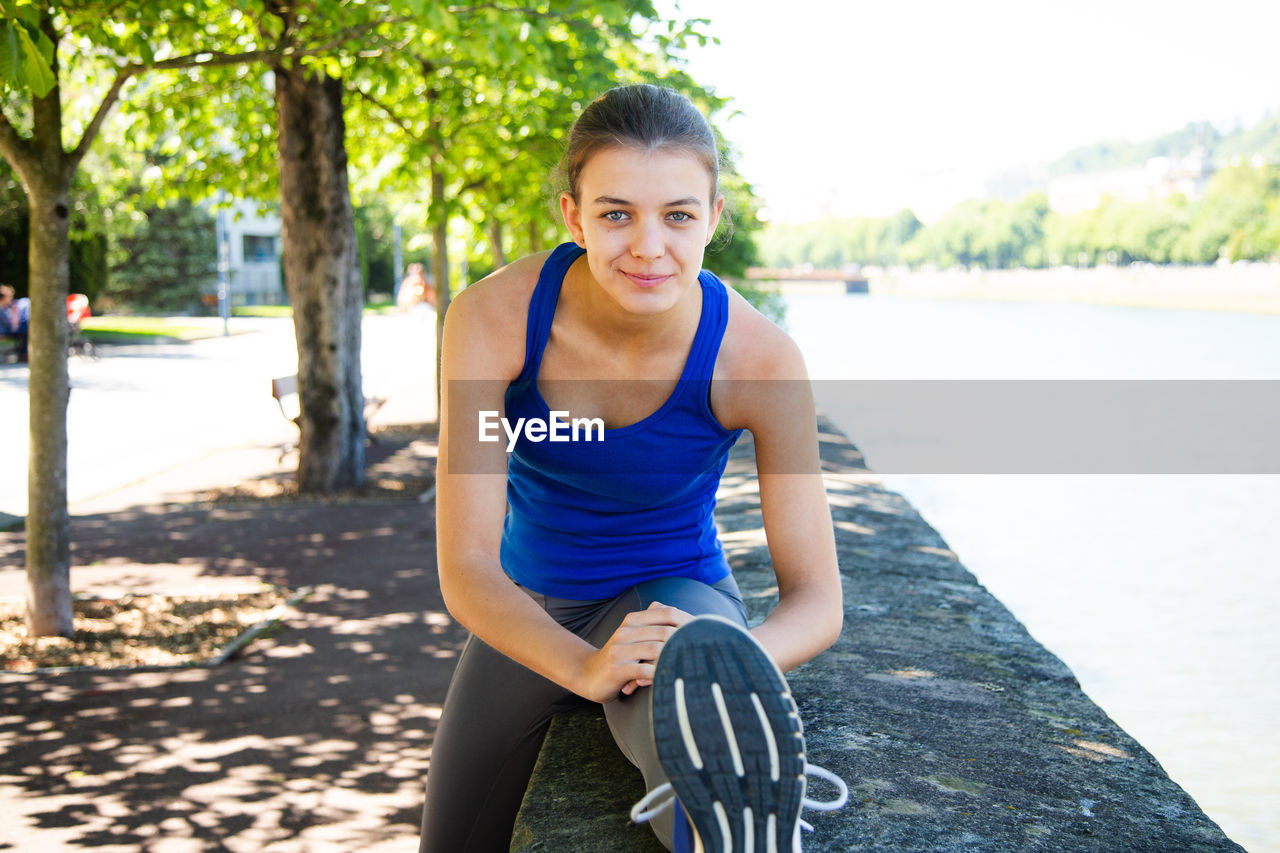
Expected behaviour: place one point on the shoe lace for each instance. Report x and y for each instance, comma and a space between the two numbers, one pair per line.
660, 798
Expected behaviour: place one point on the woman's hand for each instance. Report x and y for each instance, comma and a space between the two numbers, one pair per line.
627, 660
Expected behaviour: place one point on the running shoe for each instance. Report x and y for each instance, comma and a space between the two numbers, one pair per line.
730, 740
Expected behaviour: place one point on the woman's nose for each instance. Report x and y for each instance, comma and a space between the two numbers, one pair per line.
647, 241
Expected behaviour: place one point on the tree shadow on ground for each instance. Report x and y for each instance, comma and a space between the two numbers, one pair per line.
317, 738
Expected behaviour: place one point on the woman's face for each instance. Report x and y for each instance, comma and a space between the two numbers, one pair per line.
645, 218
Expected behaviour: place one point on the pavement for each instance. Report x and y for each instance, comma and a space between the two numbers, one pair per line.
315, 738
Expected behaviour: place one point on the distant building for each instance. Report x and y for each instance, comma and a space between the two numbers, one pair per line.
1159, 178
254, 242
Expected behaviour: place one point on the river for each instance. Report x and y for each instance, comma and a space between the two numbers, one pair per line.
1158, 590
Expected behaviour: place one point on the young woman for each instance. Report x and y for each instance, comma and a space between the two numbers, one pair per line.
573, 562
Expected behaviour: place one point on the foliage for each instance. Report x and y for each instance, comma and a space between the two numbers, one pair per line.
165, 261
88, 266
839, 243
1237, 219
26, 53
482, 99
1262, 141
1195, 137
375, 236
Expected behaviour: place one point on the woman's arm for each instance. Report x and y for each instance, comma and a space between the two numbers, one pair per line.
767, 391
482, 352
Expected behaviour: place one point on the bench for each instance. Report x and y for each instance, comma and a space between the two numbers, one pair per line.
284, 389
954, 728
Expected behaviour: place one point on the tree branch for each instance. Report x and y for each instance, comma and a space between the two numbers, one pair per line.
521, 10
391, 114
95, 124
14, 148
210, 58
218, 57
260, 24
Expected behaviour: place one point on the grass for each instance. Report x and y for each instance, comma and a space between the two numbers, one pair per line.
110, 328
121, 328
381, 307
262, 311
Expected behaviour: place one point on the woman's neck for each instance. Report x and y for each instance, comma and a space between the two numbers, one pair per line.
584, 304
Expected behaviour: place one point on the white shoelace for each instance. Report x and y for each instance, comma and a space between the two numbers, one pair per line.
645, 810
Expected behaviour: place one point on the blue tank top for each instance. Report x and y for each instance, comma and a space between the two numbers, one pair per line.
590, 519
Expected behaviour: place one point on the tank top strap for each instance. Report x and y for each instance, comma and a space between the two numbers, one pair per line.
715, 318
542, 306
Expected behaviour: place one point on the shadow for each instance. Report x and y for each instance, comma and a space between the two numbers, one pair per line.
320, 734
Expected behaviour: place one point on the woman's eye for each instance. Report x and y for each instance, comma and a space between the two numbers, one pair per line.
680, 216
615, 216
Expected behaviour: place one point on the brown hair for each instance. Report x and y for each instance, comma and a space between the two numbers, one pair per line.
642, 116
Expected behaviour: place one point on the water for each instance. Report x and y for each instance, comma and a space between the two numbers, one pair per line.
1160, 592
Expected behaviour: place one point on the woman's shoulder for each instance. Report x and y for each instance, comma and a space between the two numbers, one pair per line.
507, 289
489, 317
754, 347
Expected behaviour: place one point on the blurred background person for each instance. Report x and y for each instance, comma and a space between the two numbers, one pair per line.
15, 315
416, 289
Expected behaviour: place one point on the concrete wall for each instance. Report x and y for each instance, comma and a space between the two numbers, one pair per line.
954, 728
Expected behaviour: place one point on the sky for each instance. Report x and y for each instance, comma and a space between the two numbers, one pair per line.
862, 108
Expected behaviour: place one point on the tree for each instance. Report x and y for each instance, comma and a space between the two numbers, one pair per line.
1231, 220
479, 103
116, 42
32, 143
322, 274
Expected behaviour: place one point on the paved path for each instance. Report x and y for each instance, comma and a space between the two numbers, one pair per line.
142, 409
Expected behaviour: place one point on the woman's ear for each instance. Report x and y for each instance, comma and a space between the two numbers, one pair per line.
572, 217
713, 222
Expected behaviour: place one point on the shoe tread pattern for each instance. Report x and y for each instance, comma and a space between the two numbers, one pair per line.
711, 651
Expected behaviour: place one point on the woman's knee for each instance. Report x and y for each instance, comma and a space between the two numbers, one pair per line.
693, 596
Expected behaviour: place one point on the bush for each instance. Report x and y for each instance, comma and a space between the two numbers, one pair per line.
165, 261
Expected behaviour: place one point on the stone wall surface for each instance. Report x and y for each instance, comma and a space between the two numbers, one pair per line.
954, 728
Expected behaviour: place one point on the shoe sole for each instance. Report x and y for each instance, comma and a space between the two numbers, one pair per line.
729, 738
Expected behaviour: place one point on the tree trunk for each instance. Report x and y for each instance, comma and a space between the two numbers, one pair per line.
533, 236
48, 521
495, 241
439, 263
46, 171
322, 277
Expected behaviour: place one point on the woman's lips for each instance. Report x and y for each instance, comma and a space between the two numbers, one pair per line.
646, 280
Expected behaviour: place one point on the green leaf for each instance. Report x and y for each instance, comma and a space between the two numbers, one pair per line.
35, 65
25, 56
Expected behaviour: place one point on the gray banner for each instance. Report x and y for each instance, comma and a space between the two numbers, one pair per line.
922, 426
1060, 426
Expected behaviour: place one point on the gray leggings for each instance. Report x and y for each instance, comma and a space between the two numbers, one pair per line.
497, 711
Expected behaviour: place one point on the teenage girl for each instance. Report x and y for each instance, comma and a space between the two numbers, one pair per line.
573, 563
